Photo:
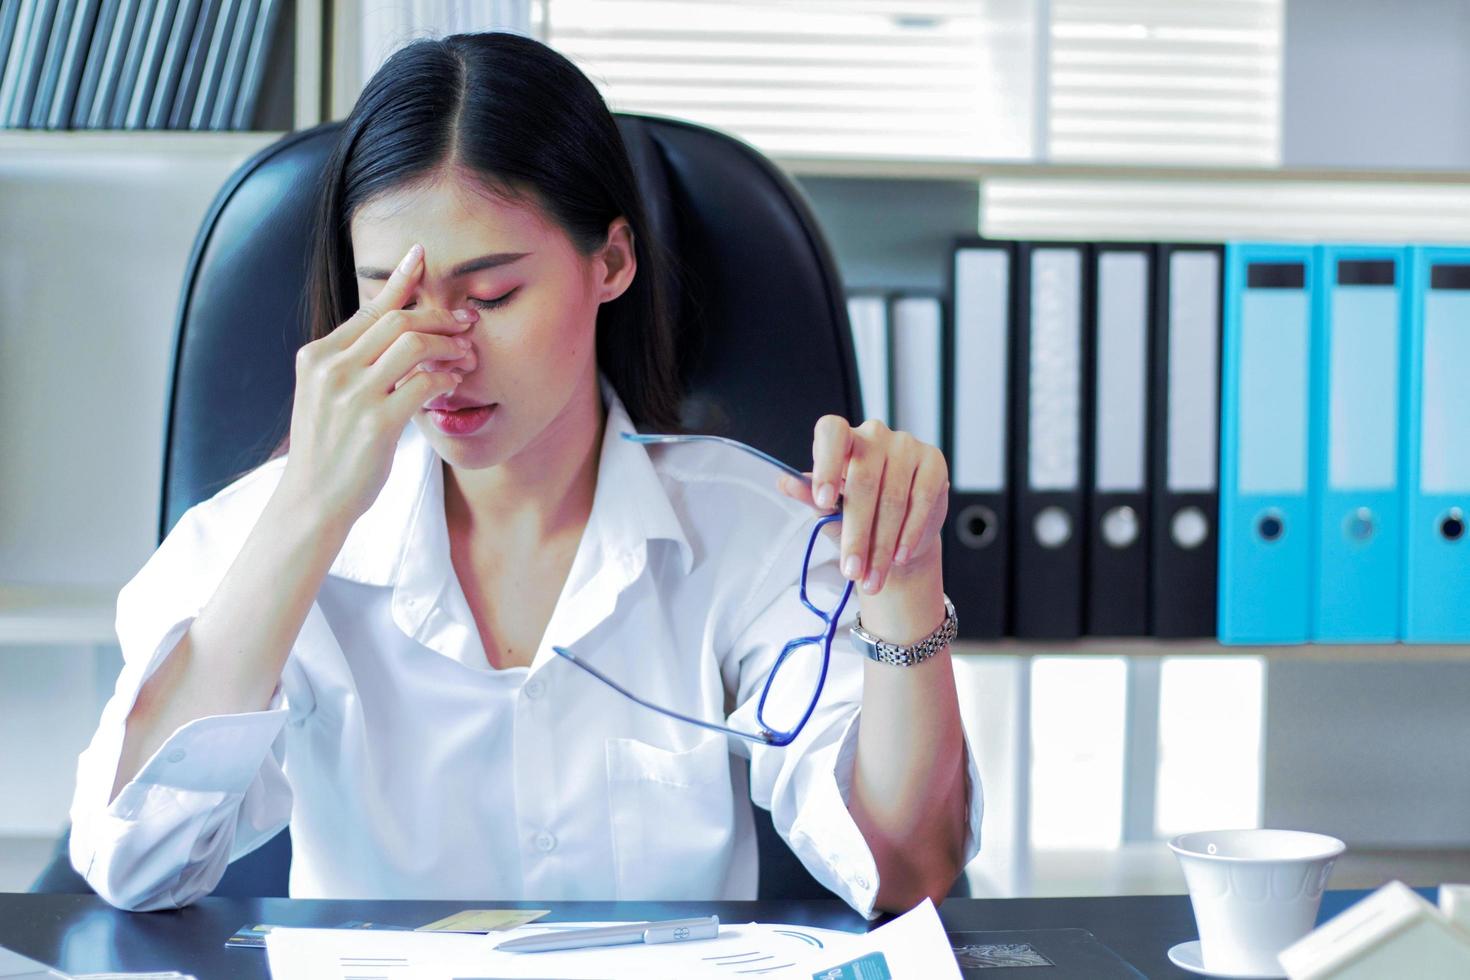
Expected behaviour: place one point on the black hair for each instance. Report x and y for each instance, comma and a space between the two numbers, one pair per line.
530, 126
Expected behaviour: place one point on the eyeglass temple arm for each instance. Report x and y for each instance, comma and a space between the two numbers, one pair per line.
649, 438
764, 737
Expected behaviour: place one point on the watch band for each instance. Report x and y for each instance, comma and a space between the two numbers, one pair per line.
907, 655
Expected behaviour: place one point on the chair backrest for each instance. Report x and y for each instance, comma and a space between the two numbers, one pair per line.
761, 310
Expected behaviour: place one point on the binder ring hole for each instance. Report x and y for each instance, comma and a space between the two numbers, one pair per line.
1271, 525
1189, 528
1120, 527
1359, 524
975, 526
1053, 527
1452, 525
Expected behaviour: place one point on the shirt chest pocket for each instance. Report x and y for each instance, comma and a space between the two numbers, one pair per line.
673, 818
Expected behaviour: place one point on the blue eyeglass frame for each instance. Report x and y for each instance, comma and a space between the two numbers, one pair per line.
768, 735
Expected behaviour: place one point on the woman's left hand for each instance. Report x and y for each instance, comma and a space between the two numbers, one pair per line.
895, 494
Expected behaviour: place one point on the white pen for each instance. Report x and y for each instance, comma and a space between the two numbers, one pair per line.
672, 931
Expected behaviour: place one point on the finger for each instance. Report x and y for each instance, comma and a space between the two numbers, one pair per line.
928, 504
893, 508
395, 324
392, 296
832, 440
419, 388
409, 353
859, 507
797, 489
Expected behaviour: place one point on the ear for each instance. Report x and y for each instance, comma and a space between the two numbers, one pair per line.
616, 262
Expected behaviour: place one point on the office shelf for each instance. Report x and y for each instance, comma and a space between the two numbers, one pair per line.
73, 615
171, 143
940, 169
1152, 647
57, 615
306, 55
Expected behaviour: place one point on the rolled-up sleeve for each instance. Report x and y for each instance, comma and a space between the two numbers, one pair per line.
807, 784
213, 791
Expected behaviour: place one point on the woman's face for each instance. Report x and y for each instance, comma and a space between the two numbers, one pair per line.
533, 346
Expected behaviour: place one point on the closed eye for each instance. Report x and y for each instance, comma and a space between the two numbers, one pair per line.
485, 304
491, 304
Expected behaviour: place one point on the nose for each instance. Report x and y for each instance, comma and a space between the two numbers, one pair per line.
464, 364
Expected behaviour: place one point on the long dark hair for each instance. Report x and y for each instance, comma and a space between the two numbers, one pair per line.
529, 124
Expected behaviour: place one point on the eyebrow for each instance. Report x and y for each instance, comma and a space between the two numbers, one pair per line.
463, 269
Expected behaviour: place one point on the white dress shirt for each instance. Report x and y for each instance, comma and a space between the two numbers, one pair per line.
409, 767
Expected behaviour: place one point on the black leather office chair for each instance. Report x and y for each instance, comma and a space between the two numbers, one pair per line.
765, 342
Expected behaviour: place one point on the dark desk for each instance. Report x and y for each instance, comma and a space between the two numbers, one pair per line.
83, 934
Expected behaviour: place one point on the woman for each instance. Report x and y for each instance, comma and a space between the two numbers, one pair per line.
357, 636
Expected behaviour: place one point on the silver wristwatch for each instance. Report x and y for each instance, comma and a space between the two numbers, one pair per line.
912, 653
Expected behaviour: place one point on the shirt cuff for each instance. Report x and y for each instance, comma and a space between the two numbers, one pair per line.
210, 754
824, 835
825, 830
215, 753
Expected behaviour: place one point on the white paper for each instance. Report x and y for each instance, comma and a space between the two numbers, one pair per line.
343, 954
913, 944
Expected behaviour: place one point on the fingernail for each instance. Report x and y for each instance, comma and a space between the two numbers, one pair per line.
870, 584
412, 257
466, 316
851, 566
825, 495
463, 342
902, 555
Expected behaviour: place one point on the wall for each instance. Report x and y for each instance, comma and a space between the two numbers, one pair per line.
1377, 83
92, 250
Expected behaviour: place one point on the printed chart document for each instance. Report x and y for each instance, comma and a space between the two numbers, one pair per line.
914, 944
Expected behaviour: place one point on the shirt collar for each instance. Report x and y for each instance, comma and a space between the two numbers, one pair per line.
402, 539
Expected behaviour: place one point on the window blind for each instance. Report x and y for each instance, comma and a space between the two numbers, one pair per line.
869, 78
1165, 81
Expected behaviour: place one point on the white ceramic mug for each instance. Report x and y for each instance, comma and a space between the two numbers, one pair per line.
1254, 892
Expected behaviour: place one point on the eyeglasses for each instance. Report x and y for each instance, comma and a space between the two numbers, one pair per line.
785, 694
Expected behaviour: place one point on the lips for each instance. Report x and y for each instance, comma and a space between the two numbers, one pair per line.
464, 421
452, 404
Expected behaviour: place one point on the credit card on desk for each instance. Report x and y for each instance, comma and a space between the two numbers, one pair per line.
253, 937
484, 920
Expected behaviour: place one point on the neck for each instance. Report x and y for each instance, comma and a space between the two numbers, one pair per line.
544, 490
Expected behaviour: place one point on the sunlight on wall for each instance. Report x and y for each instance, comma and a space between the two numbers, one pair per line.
1078, 706
1210, 714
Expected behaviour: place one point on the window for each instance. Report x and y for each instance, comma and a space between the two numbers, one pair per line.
901, 78
1077, 733
1161, 81
1210, 718
1165, 81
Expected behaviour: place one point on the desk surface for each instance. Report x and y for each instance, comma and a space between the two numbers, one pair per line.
83, 934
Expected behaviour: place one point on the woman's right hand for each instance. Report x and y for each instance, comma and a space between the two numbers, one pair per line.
359, 385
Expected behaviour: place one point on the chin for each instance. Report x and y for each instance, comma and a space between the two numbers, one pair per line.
477, 452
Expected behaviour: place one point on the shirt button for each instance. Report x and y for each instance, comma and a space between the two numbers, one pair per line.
534, 689
861, 881
177, 755
545, 841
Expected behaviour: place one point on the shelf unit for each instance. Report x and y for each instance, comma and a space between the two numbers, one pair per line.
309, 99
59, 615
125, 205
54, 615
938, 169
